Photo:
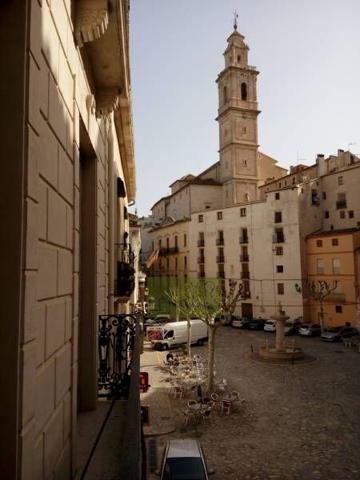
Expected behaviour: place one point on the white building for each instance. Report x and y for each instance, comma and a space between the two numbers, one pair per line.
259, 244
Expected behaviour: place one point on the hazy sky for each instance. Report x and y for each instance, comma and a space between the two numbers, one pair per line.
308, 55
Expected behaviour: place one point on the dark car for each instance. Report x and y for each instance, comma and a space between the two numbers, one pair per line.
335, 334
256, 324
292, 327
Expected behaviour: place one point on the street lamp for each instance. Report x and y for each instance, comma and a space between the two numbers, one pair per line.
318, 290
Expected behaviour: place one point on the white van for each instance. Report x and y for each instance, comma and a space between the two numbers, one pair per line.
176, 333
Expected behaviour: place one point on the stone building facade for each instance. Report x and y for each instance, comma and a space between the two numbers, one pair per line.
69, 173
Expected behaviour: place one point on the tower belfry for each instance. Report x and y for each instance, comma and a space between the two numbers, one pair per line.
237, 117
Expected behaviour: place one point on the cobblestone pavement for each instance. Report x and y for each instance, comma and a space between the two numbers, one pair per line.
298, 422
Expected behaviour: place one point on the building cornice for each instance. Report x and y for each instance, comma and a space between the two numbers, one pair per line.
102, 29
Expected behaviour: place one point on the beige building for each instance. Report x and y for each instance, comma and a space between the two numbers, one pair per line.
256, 243
242, 168
333, 256
68, 175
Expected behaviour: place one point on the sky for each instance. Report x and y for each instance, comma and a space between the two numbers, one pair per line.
308, 55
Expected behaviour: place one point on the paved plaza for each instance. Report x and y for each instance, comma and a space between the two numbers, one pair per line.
298, 421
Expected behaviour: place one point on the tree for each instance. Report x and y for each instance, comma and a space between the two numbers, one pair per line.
206, 299
231, 294
178, 296
318, 290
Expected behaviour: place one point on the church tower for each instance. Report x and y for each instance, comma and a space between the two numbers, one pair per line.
237, 117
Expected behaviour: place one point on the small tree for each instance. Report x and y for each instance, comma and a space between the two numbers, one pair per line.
178, 296
318, 290
231, 294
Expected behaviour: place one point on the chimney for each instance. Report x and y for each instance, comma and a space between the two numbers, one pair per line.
321, 165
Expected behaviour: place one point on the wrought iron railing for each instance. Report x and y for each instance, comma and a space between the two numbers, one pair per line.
116, 337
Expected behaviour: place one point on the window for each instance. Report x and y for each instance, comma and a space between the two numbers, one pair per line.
185, 263
340, 180
243, 91
279, 251
159, 243
342, 213
280, 289
176, 263
219, 215
278, 217
279, 184
167, 242
326, 214
324, 195
200, 218
279, 268
152, 245
277, 196
351, 213
225, 95
334, 242
336, 266
341, 201
242, 212
319, 243
338, 308
319, 265
244, 235
185, 240
279, 236
238, 59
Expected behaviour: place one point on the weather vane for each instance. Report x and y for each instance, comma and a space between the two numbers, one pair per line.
236, 16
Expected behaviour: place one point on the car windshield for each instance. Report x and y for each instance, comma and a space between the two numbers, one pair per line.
184, 468
334, 329
289, 324
270, 322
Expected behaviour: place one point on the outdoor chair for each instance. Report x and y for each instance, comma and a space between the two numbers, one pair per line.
205, 414
226, 407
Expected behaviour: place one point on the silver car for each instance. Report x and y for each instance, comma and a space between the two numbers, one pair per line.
184, 459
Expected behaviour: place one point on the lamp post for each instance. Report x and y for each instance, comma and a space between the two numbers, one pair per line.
318, 290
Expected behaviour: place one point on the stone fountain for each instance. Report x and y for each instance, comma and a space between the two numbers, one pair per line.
281, 351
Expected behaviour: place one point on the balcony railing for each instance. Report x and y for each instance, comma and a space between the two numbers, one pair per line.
220, 259
244, 257
336, 298
245, 275
116, 337
243, 239
201, 243
340, 204
219, 241
168, 251
125, 278
278, 238
201, 260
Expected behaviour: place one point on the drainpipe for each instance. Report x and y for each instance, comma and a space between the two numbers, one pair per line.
112, 199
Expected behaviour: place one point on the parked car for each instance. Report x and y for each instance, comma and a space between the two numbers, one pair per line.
239, 322
159, 319
292, 327
270, 326
334, 334
256, 324
310, 330
184, 458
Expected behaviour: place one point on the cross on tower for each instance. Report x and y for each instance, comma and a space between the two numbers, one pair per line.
236, 16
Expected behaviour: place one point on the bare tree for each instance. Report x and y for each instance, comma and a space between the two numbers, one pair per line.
179, 297
319, 290
232, 292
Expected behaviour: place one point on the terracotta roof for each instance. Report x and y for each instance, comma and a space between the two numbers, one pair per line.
331, 233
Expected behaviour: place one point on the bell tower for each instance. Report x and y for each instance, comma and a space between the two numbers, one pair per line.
237, 117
